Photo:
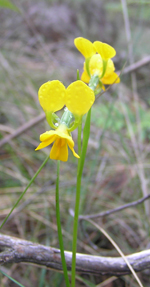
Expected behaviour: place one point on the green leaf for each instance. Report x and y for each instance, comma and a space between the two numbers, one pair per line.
8, 5
12, 279
23, 193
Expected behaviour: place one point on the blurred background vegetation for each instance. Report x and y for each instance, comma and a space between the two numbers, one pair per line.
36, 45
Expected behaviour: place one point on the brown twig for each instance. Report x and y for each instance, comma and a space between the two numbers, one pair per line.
137, 65
16, 250
22, 129
108, 212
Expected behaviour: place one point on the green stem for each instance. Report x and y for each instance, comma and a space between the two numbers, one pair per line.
86, 133
79, 138
21, 196
59, 229
75, 227
75, 230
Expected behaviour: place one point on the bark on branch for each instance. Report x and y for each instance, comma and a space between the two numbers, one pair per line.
14, 250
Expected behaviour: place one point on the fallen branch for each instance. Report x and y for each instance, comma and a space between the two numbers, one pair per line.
22, 129
111, 211
137, 65
14, 250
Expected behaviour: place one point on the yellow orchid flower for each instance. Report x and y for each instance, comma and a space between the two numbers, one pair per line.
78, 99
96, 67
97, 61
62, 140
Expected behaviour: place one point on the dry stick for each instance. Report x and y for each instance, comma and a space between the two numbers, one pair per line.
107, 282
17, 250
23, 128
137, 65
108, 212
53, 226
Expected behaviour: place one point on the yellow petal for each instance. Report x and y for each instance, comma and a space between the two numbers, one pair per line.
79, 98
46, 138
85, 47
96, 65
52, 96
61, 139
62, 132
43, 144
111, 79
110, 68
105, 50
47, 135
85, 77
72, 149
59, 150
103, 87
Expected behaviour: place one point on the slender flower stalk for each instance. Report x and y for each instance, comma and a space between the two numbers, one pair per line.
78, 191
59, 228
86, 134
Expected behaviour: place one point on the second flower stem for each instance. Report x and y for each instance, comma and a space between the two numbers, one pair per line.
82, 153
59, 228
75, 231
86, 133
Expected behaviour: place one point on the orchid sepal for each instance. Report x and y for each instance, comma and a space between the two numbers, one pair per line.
104, 68
87, 63
52, 119
75, 123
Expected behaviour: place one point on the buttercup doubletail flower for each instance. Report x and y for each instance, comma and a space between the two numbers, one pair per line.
62, 140
98, 62
78, 99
